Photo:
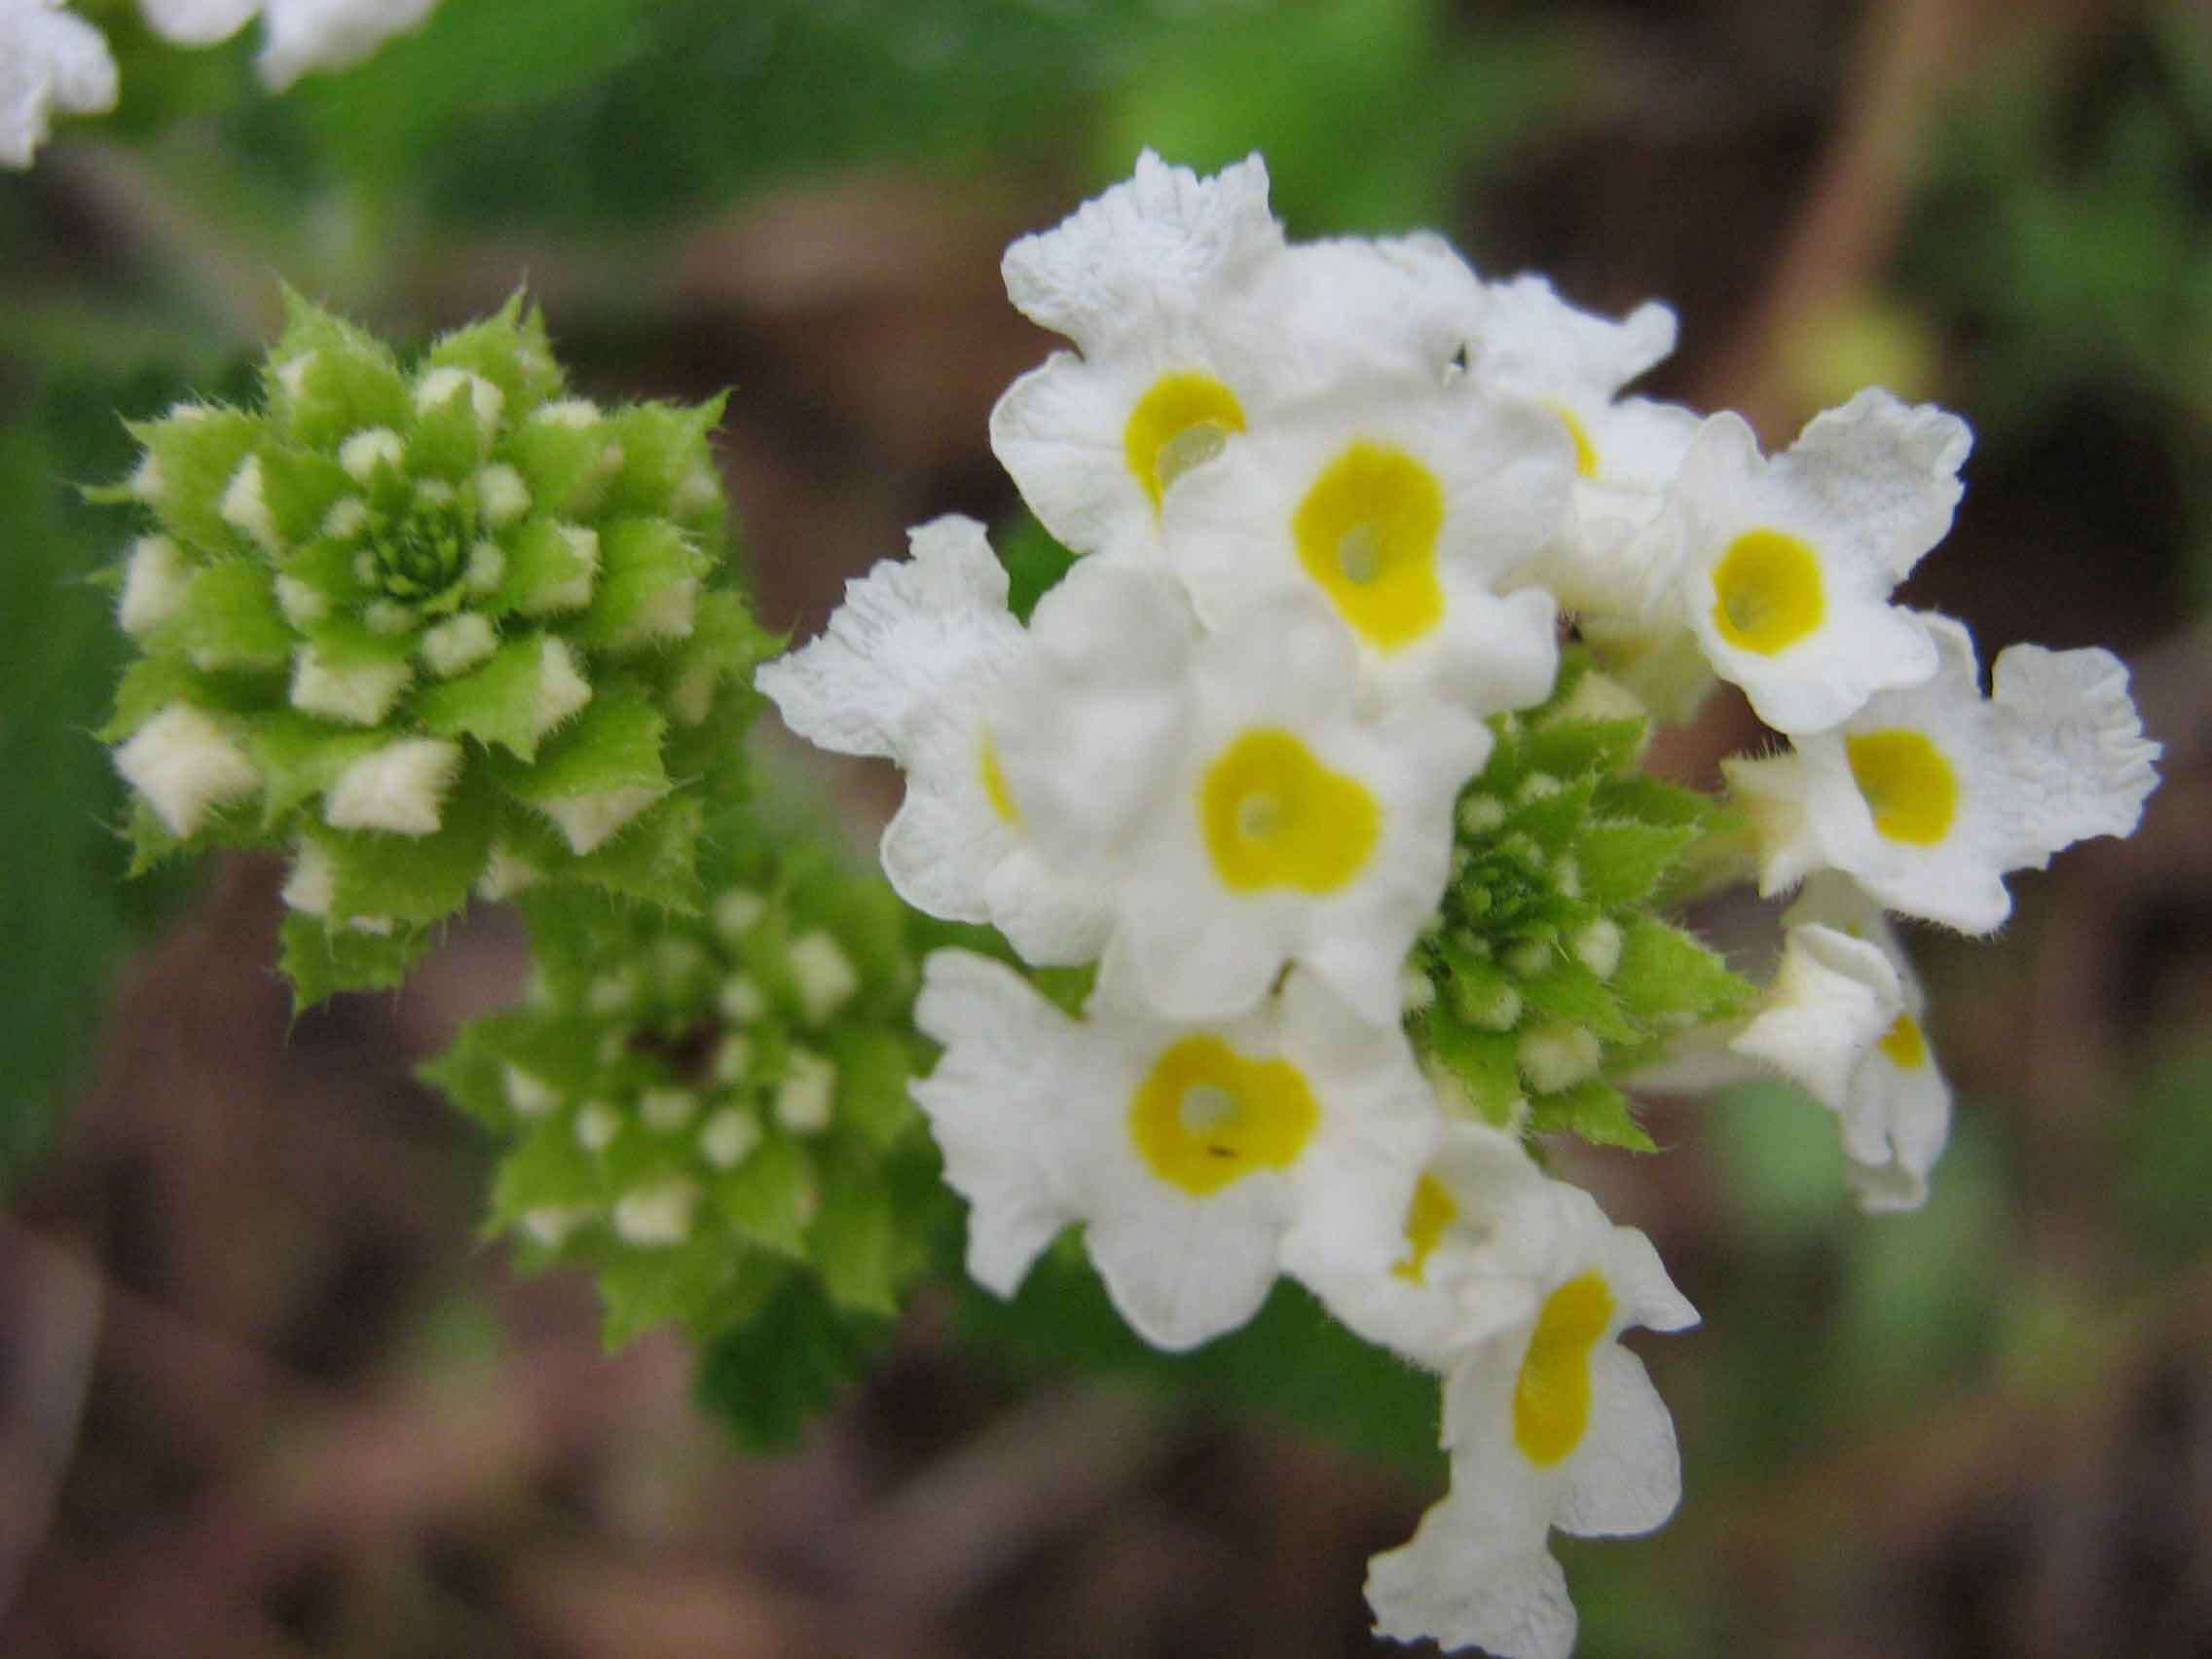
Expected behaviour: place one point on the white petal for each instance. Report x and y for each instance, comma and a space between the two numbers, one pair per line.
2071, 748
1465, 1581
1832, 998
1626, 1477
198, 22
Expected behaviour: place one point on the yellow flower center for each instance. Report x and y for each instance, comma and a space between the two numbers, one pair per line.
1905, 1044
1426, 1217
1205, 1117
1767, 592
1910, 788
1183, 420
1366, 532
1273, 816
994, 782
1551, 1402
1585, 451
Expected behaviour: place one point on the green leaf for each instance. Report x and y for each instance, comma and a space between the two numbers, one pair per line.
1622, 863
321, 961
326, 379
541, 561
229, 618
416, 878
1487, 1062
1569, 992
652, 858
1034, 565
855, 1244
447, 440
766, 1379
1595, 1111
495, 703
1665, 972
615, 744
663, 446
770, 1197
195, 451
873, 1070
300, 486
640, 560
300, 756
510, 351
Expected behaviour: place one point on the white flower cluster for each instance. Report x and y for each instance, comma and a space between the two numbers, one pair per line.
51, 59
1332, 498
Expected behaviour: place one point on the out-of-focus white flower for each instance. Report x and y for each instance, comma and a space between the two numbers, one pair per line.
300, 36
1928, 796
1786, 566
51, 60
1287, 829
1404, 508
1197, 1157
1550, 1423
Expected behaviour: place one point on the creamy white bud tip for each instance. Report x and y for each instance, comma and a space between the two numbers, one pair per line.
679, 962
562, 688
591, 821
728, 1138
1558, 1057
656, 1217
613, 993
346, 519
459, 643
597, 1126
369, 449
153, 584
501, 496
185, 767
1415, 991
549, 1225
361, 696
741, 1000
574, 593
808, 1093
736, 910
823, 974
303, 606
1598, 947
734, 1060
1531, 959
1480, 814
311, 885
696, 492
400, 787
487, 570
245, 506
667, 1110
577, 412
529, 1094
485, 399
669, 614
505, 874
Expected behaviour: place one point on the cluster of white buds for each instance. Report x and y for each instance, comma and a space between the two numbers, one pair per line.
1356, 938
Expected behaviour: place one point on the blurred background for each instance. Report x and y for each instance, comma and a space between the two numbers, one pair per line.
262, 1389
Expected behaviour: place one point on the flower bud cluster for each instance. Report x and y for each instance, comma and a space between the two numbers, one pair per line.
435, 630
1363, 860
700, 1108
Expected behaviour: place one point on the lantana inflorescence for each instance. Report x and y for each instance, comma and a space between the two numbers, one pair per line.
1327, 755
433, 629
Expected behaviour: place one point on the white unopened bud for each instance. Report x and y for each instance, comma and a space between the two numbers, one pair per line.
360, 694
245, 506
400, 787
807, 1096
728, 1138
590, 820
822, 975
656, 1217
667, 1110
531, 1096
153, 584
485, 400
597, 1126
185, 767
370, 450
1558, 1057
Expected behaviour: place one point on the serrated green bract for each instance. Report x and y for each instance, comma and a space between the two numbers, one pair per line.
431, 627
710, 1110
1549, 965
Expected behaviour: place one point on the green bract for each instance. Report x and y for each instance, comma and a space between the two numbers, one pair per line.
433, 629
1550, 964
710, 1110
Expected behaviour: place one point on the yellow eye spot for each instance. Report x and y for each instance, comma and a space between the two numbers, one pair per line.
1183, 420
1551, 1402
994, 782
1585, 451
1767, 592
1273, 816
1205, 1117
1905, 1044
1910, 788
1426, 1217
1366, 532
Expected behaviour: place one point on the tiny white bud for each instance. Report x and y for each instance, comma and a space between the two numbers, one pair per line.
1558, 1057
153, 584
485, 400
145, 481
311, 885
1539, 785
505, 874
361, 696
549, 1225
562, 688
387, 617
530, 1095
459, 643
808, 1093
734, 1060
679, 962
346, 519
590, 820
669, 614
597, 1126
400, 787
822, 975
736, 910
728, 1138
292, 374
656, 1217
245, 506
371, 448
501, 496
1598, 947
1480, 814
185, 767
1531, 958
1568, 874
574, 593
577, 412
613, 993
741, 1000
1415, 991
487, 569
303, 606
667, 1110
696, 492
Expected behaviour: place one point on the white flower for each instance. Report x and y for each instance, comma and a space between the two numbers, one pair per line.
1550, 1423
1403, 508
1289, 828
299, 35
910, 668
1844, 1020
1928, 796
1574, 365
185, 765
1786, 566
50, 60
1197, 1157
